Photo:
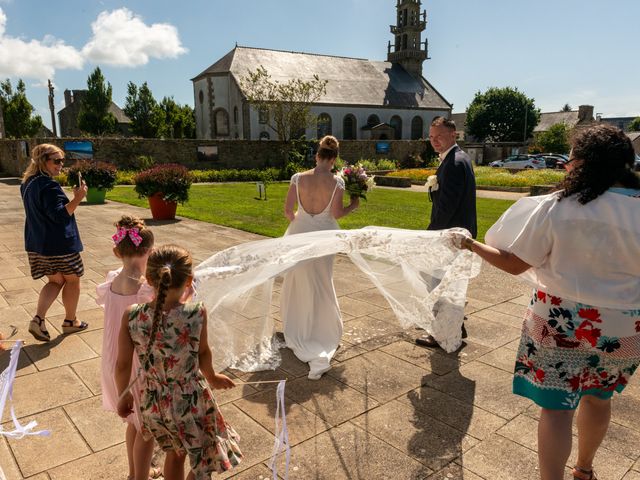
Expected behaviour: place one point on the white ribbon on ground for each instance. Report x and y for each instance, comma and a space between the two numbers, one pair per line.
281, 440
6, 392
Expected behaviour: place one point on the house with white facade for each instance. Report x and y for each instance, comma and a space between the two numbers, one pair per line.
365, 99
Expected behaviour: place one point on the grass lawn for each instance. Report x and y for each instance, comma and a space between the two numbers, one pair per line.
235, 205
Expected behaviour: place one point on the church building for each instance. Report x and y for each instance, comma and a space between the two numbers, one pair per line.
365, 99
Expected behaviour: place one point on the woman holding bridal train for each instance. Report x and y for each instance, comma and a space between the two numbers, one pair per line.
308, 303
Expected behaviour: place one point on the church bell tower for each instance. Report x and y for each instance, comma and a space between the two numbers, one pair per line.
409, 50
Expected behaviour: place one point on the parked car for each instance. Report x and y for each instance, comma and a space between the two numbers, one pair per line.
520, 162
637, 163
555, 160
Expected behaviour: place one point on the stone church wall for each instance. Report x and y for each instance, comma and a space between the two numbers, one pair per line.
231, 153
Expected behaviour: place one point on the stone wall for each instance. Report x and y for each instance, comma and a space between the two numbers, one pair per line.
231, 153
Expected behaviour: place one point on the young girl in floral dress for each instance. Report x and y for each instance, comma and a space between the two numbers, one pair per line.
124, 287
169, 337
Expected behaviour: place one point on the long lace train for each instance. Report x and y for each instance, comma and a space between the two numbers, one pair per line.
415, 270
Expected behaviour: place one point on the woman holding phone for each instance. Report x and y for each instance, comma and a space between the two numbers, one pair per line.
52, 239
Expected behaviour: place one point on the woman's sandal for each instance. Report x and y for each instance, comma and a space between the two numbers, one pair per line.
38, 329
69, 327
582, 474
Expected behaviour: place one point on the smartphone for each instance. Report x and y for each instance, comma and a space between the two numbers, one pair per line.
79, 179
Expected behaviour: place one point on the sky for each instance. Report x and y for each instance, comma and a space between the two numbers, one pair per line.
555, 51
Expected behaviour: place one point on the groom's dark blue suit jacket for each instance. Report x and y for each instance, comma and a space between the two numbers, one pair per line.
454, 202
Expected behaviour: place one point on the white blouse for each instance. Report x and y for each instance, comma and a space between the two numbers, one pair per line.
587, 253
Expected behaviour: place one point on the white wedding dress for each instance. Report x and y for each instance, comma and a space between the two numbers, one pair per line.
308, 303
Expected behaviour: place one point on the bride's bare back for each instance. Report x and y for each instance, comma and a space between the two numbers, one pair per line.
315, 190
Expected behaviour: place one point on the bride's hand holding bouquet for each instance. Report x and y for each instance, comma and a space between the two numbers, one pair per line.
356, 181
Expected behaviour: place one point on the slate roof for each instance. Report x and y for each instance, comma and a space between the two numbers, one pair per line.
549, 119
352, 81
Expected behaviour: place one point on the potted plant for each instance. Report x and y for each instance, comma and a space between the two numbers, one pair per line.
165, 186
99, 177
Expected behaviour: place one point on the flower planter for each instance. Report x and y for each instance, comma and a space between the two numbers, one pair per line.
160, 209
96, 195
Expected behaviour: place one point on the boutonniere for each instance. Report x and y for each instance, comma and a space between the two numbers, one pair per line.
432, 183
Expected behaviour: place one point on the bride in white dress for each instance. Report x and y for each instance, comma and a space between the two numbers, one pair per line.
308, 303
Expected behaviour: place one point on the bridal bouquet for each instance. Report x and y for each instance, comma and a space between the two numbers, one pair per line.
356, 181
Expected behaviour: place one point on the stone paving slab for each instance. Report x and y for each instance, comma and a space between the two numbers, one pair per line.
387, 410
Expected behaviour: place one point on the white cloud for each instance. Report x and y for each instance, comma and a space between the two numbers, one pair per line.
37, 59
122, 39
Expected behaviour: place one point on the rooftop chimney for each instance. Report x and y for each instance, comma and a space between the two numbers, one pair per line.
585, 113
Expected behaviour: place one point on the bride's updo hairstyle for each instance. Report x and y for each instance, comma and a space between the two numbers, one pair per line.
328, 148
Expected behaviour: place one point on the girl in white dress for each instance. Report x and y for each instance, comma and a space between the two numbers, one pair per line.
308, 303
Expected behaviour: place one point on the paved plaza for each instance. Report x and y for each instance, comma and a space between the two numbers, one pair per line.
387, 410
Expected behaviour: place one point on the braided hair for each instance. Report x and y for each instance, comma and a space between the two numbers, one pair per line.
607, 158
169, 266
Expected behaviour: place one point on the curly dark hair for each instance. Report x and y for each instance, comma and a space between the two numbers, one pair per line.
607, 159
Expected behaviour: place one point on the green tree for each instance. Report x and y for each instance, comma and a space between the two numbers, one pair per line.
566, 108
287, 105
178, 121
19, 121
94, 116
634, 126
498, 115
555, 140
142, 110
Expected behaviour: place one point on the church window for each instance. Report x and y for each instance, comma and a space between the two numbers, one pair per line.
221, 122
373, 120
404, 41
416, 128
349, 126
201, 96
324, 125
396, 124
235, 115
263, 116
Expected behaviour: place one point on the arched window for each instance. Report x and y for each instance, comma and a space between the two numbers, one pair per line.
201, 96
349, 125
373, 120
396, 124
235, 115
324, 125
416, 128
221, 123
404, 41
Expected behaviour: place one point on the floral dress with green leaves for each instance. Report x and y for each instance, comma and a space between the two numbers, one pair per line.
176, 406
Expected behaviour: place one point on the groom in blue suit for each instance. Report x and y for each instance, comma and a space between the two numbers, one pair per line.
454, 193
454, 199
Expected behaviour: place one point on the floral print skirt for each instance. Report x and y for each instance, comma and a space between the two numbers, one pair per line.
184, 417
568, 349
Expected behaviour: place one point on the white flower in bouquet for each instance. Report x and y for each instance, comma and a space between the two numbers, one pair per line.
432, 183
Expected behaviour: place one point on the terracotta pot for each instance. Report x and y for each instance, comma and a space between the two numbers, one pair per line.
96, 195
161, 210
